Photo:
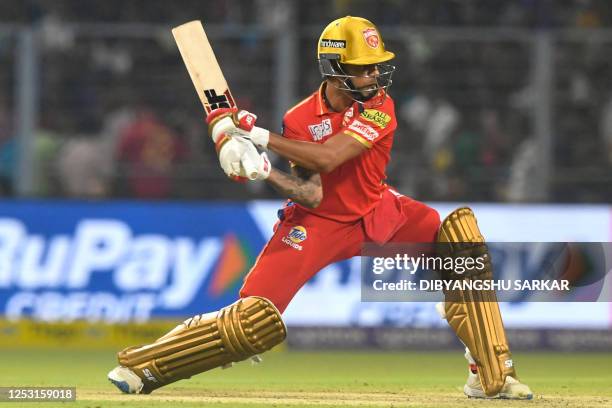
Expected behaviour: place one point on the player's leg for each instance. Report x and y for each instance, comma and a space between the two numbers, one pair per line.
241, 330
468, 319
298, 249
302, 245
421, 222
199, 344
475, 316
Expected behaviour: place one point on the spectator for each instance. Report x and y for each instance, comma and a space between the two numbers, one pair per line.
148, 152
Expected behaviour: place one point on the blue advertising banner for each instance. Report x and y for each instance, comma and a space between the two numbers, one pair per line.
122, 261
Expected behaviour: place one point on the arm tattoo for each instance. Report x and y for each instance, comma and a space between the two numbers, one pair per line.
302, 186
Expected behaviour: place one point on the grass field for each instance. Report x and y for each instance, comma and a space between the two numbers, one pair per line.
309, 379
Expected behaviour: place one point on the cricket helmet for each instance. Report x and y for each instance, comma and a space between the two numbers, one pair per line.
353, 41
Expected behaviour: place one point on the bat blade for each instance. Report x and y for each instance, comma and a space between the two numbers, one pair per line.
202, 65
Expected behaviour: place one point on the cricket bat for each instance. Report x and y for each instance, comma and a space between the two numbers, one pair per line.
204, 70
202, 65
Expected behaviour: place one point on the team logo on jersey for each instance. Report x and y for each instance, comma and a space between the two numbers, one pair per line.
364, 130
347, 116
381, 119
295, 237
371, 37
333, 43
319, 131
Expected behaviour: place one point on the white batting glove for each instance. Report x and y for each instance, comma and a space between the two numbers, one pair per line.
258, 136
239, 159
230, 155
254, 166
225, 120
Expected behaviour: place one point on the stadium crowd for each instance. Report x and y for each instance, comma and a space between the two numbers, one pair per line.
118, 117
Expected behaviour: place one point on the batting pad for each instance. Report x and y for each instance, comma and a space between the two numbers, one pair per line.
247, 327
474, 315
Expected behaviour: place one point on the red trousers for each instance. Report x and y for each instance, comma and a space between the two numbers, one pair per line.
304, 243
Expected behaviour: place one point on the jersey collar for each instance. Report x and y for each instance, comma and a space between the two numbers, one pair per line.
321, 106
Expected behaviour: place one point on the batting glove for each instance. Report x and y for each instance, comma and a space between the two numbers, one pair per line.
230, 153
224, 120
254, 166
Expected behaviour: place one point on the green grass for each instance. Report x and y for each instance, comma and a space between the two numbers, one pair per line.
309, 379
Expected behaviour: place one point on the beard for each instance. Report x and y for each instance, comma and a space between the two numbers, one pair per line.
365, 93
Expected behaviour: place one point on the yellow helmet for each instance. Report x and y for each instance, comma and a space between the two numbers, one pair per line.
354, 41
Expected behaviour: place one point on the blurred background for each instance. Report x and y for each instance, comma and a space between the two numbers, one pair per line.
115, 208
506, 101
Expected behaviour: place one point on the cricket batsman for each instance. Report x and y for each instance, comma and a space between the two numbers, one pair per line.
338, 142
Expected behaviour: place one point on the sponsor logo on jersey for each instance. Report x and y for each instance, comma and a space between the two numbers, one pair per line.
364, 130
295, 237
320, 130
333, 43
298, 234
381, 119
371, 37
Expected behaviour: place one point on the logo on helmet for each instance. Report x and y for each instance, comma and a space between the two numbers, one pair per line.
371, 37
333, 43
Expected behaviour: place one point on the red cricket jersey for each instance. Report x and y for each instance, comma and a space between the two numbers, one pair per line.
354, 188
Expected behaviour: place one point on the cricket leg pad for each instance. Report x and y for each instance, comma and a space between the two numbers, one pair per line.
474, 315
241, 330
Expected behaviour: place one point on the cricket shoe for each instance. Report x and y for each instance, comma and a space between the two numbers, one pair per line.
512, 389
126, 380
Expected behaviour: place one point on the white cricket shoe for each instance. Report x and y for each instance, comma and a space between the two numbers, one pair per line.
512, 389
126, 380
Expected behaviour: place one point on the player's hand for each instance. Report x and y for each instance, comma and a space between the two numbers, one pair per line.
254, 166
230, 154
240, 160
224, 120
258, 136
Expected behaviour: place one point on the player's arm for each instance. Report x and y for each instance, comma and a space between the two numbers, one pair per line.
302, 186
321, 158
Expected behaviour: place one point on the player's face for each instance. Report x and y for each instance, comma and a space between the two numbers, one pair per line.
364, 78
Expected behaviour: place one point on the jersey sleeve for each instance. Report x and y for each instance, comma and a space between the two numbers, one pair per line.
372, 124
290, 130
